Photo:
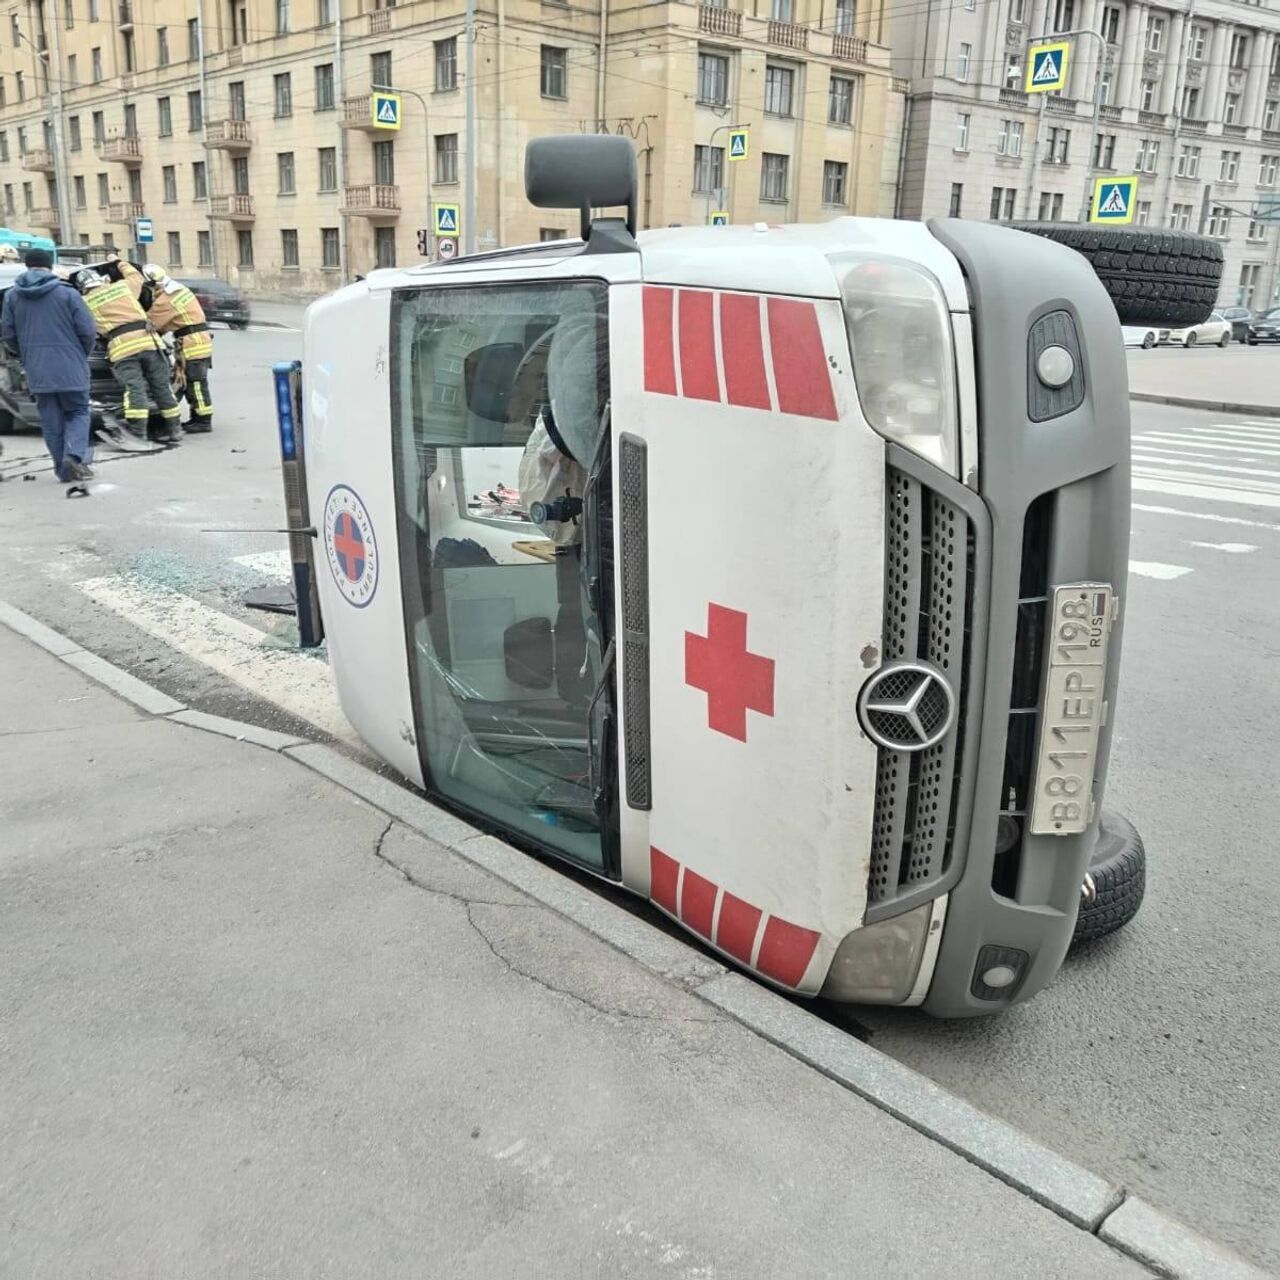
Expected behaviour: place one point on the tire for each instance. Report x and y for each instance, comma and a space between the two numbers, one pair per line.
1191, 340
1252, 342
1119, 871
1154, 277
1148, 341
1225, 341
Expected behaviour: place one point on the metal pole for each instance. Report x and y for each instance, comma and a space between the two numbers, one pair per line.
342, 141
1097, 115
66, 231
469, 213
725, 173
204, 137
426, 142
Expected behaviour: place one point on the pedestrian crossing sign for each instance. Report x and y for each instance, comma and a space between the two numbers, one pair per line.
1047, 67
720, 218
1114, 200
447, 220
386, 110
738, 143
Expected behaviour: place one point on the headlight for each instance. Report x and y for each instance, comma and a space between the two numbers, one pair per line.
903, 357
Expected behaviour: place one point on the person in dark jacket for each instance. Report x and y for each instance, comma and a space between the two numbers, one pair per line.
48, 326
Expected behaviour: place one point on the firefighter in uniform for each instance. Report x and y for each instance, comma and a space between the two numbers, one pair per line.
174, 309
134, 352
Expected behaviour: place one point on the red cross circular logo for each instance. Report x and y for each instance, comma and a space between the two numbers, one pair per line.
350, 545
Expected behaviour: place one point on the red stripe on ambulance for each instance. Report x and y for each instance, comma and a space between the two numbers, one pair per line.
785, 949
794, 352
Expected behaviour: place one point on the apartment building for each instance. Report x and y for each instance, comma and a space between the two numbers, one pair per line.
1185, 95
243, 129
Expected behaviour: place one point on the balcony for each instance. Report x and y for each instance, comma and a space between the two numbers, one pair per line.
379, 22
1155, 119
719, 22
1186, 126
1270, 136
44, 216
38, 161
1056, 106
125, 20
228, 135
357, 113
849, 48
235, 55
788, 35
378, 202
234, 208
1111, 113
127, 211
123, 149
1013, 98
1234, 131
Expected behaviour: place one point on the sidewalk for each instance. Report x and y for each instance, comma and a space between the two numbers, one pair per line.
252, 1026
1234, 379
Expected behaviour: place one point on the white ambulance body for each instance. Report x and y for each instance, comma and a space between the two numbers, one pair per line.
822, 666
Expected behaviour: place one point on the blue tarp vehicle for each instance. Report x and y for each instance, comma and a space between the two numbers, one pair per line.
24, 240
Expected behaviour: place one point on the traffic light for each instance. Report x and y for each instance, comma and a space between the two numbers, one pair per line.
424, 244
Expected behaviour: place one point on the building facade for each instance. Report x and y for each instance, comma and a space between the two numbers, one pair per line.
243, 129
1185, 96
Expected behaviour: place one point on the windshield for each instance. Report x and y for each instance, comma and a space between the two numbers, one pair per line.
499, 393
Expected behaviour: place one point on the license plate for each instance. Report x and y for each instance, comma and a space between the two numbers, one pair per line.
1074, 708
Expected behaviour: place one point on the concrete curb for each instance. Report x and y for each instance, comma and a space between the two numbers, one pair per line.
1211, 406
1127, 1224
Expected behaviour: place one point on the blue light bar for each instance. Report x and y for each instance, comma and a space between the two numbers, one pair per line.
283, 374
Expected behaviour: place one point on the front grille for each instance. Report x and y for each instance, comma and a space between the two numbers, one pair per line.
929, 582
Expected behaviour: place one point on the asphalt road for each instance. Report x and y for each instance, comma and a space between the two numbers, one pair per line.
1152, 1060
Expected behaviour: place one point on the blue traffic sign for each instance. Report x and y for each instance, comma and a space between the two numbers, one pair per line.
447, 220
738, 144
386, 110
145, 231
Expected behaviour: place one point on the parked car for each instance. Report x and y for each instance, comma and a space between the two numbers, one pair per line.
1216, 330
1239, 318
1264, 327
1143, 336
220, 300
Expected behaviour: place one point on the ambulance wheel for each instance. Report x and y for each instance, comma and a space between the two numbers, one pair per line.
1154, 277
1119, 874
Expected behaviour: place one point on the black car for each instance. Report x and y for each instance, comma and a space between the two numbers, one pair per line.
1238, 318
1264, 327
219, 301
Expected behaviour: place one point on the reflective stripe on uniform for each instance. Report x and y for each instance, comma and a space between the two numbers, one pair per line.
203, 407
131, 412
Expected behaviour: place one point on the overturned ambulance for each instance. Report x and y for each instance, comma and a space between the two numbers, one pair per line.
774, 573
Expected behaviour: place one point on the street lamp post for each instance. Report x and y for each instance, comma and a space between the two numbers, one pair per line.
724, 128
54, 74
426, 142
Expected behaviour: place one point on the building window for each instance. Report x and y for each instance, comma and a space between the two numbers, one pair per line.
4, 146
1228, 166
109, 241
28, 200
1148, 152
446, 157
77, 185
164, 109
195, 111
104, 191
8, 201
554, 71
283, 84
22, 139
235, 98
1219, 226
773, 176
1018, 11
1050, 206
1147, 95
1009, 138
73, 69
1064, 15
1275, 58
1104, 86
384, 246
1155, 34
284, 174
1250, 277
957, 198
175, 249
1058, 147
1110, 26
288, 247
779, 90
380, 69
324, 87
244, 248
835, 182
1188, 161
282, 23
199, 181
328, 168
713, 79
169, 178
1104, 151
204, 249
135, 185
99, 128
95, 62
962, 131
546, 234
1196, 38
1142, 214
1268, 166
130, 61
73, 129
324, 12
1271, 112
1180, 215
329, 247
963, 58
840, 101
1190, 103
130, 120
844, 17
384, 163
1257, 231
1239, 50
162, 46
708, 169
1230, 108
193, 41
446, 64
240, 175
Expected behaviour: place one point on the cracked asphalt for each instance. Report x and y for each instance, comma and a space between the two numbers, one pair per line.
250, 1027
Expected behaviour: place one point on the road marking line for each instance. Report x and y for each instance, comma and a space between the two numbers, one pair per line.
1154, 569
1253, 428
1206, 515
1214, 447
1241, 497
1231, 548
1194, 463
1192, 476
296, 682
276, 564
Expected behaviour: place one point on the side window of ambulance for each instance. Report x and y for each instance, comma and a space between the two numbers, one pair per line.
495, 388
